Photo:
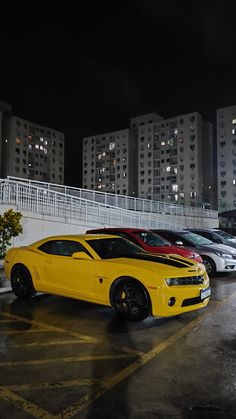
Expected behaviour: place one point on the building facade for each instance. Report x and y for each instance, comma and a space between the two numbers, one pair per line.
107, 162
226, 157
156, 158
171, 161
32, 151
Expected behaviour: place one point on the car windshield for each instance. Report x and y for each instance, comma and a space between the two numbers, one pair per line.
114, 248
151, 239
225, 235
195, 238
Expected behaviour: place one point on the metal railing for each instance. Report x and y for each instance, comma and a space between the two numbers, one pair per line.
26, 196
122, 201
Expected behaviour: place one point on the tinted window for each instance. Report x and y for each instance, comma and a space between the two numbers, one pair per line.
194, 239
114, 248
151, 239
62, 247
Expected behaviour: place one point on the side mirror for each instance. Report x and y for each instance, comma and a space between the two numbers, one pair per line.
179, 243
81, 255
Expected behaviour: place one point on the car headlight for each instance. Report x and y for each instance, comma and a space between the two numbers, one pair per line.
223, 255
188, 280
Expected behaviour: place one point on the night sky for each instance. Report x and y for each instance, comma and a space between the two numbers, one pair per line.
89, 70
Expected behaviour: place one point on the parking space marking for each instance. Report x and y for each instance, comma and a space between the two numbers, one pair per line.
25, 405
69, 359
49, 343
59, 384
110, 382
104, 385
51, 328
17, 332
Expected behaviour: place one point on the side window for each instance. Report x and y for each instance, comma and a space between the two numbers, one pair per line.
62, 247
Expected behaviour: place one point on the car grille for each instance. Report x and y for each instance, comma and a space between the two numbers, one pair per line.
191, 301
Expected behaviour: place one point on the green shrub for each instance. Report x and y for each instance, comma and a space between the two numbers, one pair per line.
10, 227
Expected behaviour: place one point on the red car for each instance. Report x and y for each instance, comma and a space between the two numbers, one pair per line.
149, 241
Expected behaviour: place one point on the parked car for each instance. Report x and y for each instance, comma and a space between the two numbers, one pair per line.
216, 257
216, 236
149, 241
108, 270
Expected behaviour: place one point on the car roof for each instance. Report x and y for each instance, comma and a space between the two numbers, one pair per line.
125, 229
169, 230
75, 236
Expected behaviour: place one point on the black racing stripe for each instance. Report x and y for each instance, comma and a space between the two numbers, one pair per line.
165, 261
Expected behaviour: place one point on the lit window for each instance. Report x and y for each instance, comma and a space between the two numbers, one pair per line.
41, 147
168, 169
99, 157
45, 151
175, 187
233, 121
41, 139
163, 143
30, 146
36, 146
103, 153
234, 182
175, 169
17, 140
182, 194
111, 146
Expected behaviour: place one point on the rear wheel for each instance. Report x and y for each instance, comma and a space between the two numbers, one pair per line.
21, 282
209, 265
131, 300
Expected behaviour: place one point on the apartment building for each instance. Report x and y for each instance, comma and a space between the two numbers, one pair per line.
156, 158
30, 150
226, 157
171, 161
108, 162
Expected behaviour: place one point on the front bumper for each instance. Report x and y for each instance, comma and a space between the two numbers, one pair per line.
185, 298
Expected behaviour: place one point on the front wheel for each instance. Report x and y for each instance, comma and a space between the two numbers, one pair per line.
21, 282
209, 265
131, 300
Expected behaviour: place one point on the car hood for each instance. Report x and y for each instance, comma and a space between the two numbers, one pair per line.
170, 249
155, 262
213, 248
225, 248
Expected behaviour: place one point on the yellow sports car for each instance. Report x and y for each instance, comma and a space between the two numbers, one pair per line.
109, 270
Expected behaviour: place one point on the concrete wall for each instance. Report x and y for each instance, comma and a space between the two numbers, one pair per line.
38, 226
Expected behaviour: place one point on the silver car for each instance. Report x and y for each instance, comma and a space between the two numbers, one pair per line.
216, 236
216, 257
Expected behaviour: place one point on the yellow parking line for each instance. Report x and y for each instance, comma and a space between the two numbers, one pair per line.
24, 405
51, 328
130, 369
48, 343
60, 360
15, 332
59, 384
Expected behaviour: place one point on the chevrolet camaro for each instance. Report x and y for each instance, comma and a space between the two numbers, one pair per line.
108, 270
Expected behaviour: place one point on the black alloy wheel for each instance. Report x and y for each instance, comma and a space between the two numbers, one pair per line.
131, 300
21, 282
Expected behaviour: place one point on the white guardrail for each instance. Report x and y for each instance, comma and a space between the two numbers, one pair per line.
122, 201
31, 198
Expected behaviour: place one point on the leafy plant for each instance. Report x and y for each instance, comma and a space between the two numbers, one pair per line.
10, 226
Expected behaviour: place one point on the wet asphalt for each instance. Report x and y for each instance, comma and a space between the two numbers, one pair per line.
63, 358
